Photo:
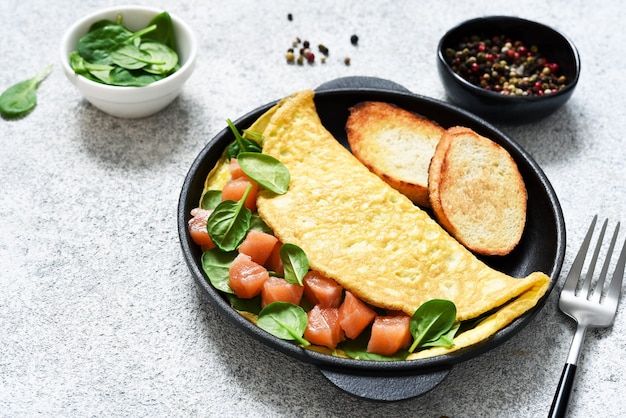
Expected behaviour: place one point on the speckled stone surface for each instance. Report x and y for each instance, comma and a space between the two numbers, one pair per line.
99, 315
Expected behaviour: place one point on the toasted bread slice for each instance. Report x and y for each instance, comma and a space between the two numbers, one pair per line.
477, 192
395, 144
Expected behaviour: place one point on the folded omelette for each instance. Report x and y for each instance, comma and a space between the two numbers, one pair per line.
373, 240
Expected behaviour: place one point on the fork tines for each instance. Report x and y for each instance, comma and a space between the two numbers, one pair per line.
596, 291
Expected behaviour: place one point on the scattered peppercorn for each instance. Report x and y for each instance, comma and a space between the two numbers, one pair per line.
289, 17
301, 51
505, 66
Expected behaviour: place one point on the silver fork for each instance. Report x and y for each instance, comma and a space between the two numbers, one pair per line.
589, 306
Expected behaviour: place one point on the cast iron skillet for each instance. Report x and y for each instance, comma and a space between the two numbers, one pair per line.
542, 246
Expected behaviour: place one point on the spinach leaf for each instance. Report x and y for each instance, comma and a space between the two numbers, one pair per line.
105, 22
210, 199
216, 265
229, 223
265, 170
164, 32
21, 98
259, 224
162, 58
252, 305
446, 340
122, 77
137, 58
131, 57
96, 46
240, 144
431, 320
357, 349
284, 320
295, 262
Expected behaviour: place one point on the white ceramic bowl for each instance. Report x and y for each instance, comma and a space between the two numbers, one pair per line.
131, 102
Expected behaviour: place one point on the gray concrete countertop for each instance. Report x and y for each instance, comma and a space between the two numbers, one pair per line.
99, 315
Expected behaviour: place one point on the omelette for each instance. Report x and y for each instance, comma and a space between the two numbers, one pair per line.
371, 239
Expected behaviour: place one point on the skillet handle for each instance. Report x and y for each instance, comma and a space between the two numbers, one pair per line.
386, 387
356, 82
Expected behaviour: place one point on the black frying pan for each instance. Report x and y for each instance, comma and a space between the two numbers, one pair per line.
542, 247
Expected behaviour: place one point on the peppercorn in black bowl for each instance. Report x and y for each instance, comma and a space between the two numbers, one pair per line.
508, 69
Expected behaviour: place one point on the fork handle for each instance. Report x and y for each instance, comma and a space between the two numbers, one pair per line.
561, 397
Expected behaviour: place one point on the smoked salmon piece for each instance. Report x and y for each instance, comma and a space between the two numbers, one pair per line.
235, 189
390, 334
321, 290
258, 245
245, 277
323, 327
354, 315
197, 228
274, 262
235, 170
276, 289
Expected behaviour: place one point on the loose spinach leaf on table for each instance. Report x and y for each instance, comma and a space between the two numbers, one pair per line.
284, 320
21, 98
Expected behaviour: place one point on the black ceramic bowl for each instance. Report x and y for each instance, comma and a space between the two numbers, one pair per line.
542, 246
496, 107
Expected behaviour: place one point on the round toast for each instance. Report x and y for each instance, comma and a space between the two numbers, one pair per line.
395, 144
477, 192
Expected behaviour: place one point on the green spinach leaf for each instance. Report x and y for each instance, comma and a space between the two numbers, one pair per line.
252, 305
431, 320
265, 170
138, 58
240, 144
446, 340
259, 224
96, 46
210, 199
21, 98
164, 32
357, 349
284, 320
162, 58
122, 77
295, 262
131, 57
229, 223
216, 265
